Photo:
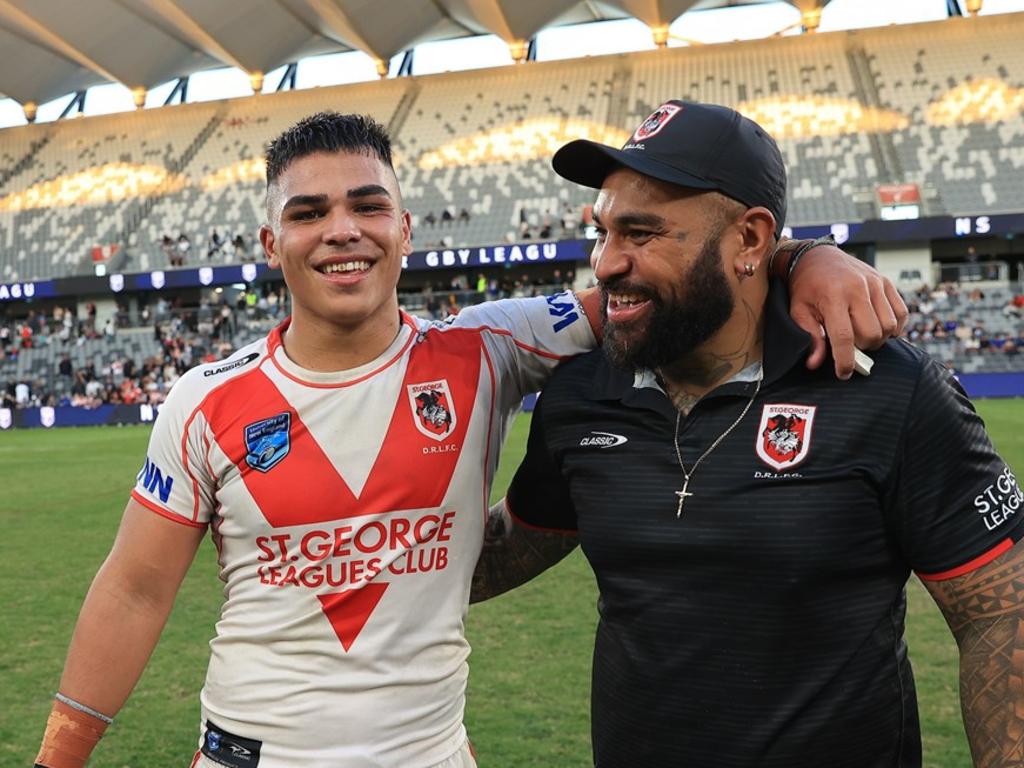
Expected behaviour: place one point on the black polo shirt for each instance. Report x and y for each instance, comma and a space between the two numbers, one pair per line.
764, 627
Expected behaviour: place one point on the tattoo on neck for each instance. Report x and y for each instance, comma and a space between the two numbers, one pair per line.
707, 370
683, 401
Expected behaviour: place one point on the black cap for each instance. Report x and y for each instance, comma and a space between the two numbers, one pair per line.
694, 145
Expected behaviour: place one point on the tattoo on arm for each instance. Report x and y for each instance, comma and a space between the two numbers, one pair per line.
985, 611
514, 554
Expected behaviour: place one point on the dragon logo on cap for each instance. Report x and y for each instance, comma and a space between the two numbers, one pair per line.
658, 120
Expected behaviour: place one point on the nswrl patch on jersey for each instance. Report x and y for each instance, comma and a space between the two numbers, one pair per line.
268, 442
784, 436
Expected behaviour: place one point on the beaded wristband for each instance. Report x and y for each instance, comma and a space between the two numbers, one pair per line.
795, 258
82, 708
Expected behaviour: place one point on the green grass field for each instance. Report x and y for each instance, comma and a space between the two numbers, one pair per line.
63, 491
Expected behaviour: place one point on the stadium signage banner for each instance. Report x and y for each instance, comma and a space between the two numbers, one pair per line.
22, 291
73, 416
517, 253
931, 228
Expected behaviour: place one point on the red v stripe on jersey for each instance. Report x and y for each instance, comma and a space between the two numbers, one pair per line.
304, 487
349, 611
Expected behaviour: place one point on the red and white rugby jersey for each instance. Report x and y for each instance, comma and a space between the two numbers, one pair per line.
348, 511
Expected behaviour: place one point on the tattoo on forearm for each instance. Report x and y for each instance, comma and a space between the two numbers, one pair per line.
512, 555
985, 610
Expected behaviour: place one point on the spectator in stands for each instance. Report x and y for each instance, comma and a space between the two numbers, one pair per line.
464, 216
251, 303
109, 329
1013, 306
65, 368
184, 246
25, 333
430, 219
214, 244
239, 248
170, 251
446, 216
22, 394
433, 305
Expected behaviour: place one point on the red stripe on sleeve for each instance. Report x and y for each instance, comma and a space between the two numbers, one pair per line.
164, 512
971, 565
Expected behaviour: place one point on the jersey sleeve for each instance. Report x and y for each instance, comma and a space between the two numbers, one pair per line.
539, 493
175, 480
527, 338
957, 504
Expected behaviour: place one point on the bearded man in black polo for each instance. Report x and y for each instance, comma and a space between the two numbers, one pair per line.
752, 524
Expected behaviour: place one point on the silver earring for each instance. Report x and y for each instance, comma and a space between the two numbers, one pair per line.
748, 269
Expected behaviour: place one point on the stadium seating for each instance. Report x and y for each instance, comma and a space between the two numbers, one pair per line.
959, 82
938, 104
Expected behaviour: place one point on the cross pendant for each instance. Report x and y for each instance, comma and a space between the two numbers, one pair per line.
682, 497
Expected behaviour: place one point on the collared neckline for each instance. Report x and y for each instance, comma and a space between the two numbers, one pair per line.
785, 346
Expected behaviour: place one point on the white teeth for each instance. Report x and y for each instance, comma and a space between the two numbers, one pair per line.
626, 298
347, 266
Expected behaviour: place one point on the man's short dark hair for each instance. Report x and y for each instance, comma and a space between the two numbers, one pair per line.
327, 132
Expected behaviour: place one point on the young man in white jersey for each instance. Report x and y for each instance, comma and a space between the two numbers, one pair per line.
343, 465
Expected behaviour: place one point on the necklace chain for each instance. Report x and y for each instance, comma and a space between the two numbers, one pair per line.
687, 475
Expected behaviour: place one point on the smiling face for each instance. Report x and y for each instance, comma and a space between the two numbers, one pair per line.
338, 233
660, 264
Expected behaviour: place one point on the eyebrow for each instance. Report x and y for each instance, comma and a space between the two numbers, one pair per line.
367, 190
627, 220
297, 200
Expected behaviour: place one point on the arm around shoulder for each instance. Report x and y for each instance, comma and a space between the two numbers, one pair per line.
513, 553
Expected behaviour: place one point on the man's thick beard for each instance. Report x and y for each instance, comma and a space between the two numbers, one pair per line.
676, 327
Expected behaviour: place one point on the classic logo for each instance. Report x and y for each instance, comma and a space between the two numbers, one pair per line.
232, 365
602, 439
432, 408
268, 442
658, 120
784, 437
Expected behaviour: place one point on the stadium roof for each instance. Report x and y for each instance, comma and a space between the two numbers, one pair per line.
49, 48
